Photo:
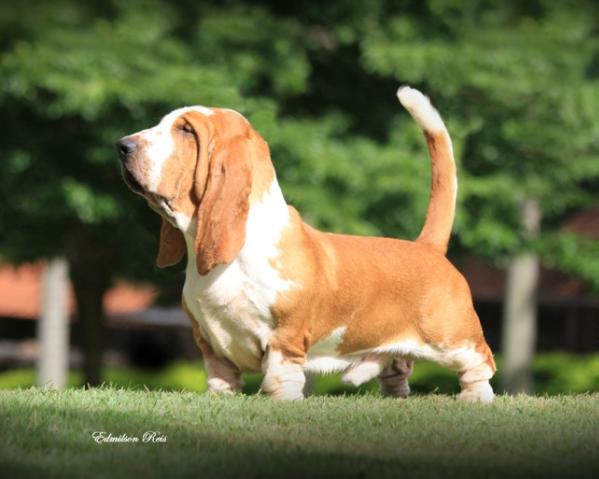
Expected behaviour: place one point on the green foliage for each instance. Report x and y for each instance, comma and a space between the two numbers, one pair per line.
516, 83
568, 252
229, 37
522, 78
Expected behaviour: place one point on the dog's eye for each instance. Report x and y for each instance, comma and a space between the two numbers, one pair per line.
186, 128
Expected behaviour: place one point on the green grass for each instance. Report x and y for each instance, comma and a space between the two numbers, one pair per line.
49, 434
554, 373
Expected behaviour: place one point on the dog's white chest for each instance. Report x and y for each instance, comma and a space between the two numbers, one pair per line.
232, 303
232, 312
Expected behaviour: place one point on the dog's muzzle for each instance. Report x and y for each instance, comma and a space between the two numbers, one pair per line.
126, 148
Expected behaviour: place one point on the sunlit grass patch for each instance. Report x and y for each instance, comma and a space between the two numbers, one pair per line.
50, 434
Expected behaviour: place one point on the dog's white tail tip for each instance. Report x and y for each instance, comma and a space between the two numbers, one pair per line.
419, 106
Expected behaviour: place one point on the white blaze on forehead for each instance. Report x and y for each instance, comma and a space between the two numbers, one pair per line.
161, 143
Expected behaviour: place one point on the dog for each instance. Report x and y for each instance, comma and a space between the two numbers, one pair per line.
267, 292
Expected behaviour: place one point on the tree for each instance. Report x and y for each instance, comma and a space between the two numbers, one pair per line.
53, 327
519, 312
318, 81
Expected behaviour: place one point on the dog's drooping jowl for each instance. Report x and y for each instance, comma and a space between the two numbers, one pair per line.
267, 292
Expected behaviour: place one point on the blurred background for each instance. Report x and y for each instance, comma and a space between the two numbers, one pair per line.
81, 300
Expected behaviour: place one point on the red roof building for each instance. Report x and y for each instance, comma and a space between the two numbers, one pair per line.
21, 287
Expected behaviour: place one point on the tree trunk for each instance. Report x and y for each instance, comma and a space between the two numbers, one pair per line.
90, 275
520, 309
53, 327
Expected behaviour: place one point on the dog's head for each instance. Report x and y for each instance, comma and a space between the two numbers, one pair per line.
200, 169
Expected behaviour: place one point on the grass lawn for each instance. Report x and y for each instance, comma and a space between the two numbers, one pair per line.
49, 434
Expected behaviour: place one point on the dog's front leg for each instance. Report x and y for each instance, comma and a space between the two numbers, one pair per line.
223, 376
284, 376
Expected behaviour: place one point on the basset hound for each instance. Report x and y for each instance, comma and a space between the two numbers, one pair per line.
267, 292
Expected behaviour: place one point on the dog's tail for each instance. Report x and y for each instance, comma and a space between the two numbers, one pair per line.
444, 189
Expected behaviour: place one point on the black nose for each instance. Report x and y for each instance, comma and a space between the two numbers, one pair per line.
125, 147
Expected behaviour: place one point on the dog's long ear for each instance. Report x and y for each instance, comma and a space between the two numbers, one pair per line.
172, 242
224, 202
172, 245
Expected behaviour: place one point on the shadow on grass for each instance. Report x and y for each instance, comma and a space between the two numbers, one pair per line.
56, 441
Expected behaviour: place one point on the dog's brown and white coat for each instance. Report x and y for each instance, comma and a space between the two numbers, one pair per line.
266, 292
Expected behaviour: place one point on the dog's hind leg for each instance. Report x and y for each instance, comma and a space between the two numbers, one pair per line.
474, 365
455, 339
474, 372
393, 379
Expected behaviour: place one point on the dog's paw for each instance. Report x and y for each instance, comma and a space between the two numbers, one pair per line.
220, 386
399, 388
287, 388
282, 391
281, 395
477, 392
